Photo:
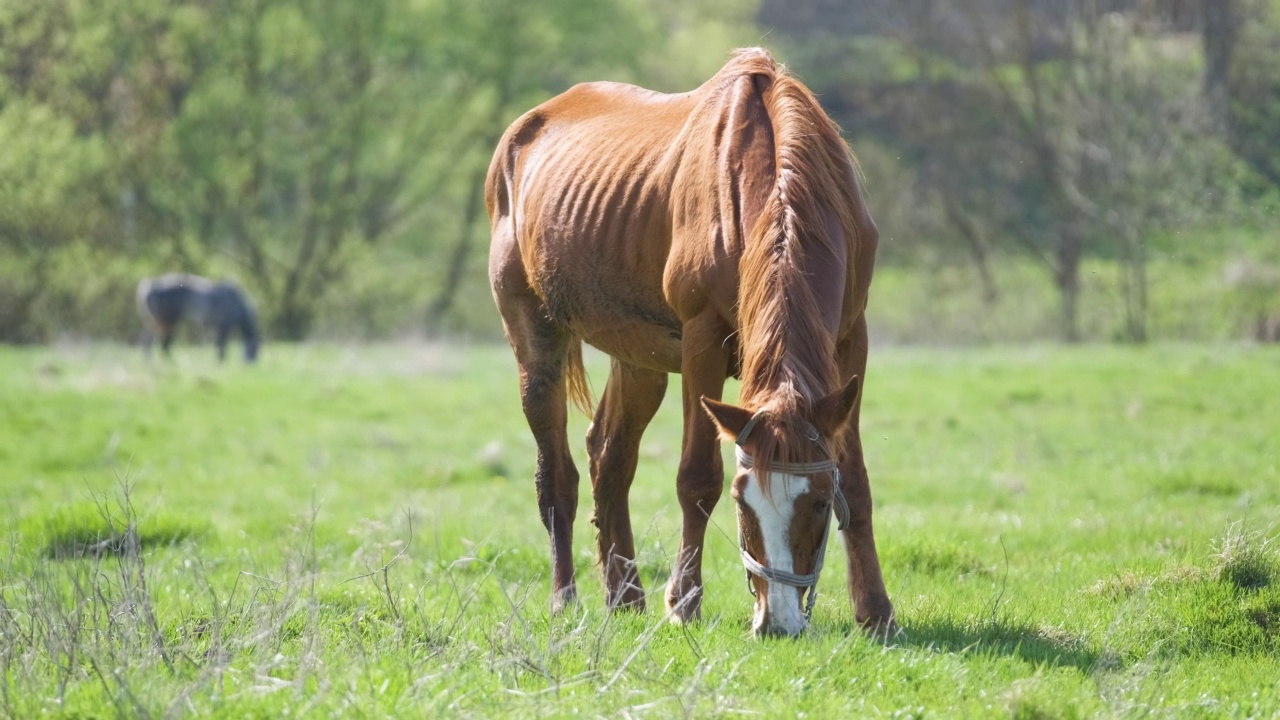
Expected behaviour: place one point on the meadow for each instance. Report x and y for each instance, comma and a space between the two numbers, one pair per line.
352, 531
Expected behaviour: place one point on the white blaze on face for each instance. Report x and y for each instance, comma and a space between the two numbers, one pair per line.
774, 512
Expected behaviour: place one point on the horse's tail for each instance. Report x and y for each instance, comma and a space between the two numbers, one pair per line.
149, 324
144, 308
579, 388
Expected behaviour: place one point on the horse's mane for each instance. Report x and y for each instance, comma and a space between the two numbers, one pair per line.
788, 355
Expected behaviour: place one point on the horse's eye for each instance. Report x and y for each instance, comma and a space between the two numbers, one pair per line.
822, 506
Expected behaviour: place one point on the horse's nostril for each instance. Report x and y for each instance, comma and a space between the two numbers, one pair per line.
769, 630
765, 631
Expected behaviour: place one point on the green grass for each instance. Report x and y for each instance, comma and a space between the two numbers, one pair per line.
351, 531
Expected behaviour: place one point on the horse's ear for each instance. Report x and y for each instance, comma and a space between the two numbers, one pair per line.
832, 411
730, 419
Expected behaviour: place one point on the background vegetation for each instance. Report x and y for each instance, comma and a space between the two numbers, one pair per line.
1083, 169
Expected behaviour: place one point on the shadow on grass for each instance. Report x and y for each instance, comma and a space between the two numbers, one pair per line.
87, 542
89, 532
1032, 644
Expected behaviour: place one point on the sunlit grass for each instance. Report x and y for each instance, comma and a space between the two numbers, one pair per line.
352, 531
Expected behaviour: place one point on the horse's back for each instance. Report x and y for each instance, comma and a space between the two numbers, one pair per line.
593, 135
578, 194
171, 298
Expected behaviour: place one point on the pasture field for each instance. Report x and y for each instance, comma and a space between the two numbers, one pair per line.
352, 531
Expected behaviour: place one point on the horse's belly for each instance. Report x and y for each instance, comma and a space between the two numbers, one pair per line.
608, 303
648, 346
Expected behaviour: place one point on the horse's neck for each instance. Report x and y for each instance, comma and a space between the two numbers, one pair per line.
800, 324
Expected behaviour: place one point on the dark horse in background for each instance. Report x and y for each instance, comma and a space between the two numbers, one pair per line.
166, 301
715, 233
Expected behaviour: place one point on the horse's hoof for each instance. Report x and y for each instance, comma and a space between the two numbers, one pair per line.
881, 630
686, 608
627, 603
563, 598
679, 619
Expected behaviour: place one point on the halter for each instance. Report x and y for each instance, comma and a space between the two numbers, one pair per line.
841, 508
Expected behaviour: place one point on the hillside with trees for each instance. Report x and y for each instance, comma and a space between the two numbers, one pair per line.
1079, 169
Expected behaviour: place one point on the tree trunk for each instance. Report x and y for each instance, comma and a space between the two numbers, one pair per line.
457, 267
293, 320
977, 245
1066, 275
1133, 287
1218, 37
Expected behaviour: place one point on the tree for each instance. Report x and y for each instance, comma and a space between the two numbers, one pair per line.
1150, 158
54, 163
1250, 50
502, 60
1060, 128
295, 141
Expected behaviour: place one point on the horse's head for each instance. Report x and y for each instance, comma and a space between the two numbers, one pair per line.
786, 489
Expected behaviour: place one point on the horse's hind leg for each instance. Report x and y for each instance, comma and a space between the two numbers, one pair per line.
223, 337
541, 347
630, 400
167, 331
541, 355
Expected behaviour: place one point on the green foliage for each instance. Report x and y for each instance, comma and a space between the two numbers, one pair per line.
1036, 514
1201, 286
329, 155
277, 140
1063, 132
1254, 94
43, 171
54, 293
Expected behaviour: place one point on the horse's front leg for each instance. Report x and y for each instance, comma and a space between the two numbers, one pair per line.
872, 607
700, 479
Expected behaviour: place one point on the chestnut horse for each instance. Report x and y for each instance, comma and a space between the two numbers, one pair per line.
714, 233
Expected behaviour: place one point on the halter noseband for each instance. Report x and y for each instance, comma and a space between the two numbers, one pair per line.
840, 507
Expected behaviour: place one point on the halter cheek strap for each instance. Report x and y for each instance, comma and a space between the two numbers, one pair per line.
746, 430
753, 567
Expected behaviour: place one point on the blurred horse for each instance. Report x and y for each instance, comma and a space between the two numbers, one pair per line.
714, 233
166, 301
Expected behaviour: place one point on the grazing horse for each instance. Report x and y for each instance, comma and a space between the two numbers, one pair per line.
714, 233
166, 301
